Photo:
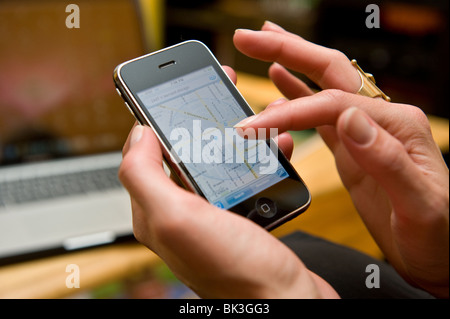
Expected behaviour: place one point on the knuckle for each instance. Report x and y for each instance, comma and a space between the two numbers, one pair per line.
333, 94
411, 112
338, 99
124, 168
417, 122
419, 116
338, 56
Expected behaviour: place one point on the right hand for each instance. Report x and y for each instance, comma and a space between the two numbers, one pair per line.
384, 152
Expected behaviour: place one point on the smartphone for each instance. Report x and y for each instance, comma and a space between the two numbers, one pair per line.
186, 97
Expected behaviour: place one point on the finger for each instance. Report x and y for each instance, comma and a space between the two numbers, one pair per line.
284, 140
126, 146
384, 158
141, 170
231, 73
276, 102
270, 26
285, 143
326, 67
323, 108
288, 84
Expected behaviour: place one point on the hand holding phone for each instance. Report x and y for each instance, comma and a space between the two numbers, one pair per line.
185, 96
216, 253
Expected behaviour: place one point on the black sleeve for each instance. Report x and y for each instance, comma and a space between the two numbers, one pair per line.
345, 269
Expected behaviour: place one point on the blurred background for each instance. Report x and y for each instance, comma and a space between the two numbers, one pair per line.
43, 108
408, 53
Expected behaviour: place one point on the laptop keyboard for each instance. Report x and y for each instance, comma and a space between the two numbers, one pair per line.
47, 187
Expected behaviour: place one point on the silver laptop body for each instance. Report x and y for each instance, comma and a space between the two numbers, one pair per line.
62, 125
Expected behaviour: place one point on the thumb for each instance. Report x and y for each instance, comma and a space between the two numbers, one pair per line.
141, 170
382, 156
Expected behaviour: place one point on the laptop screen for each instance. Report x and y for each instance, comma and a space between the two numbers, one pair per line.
57, 97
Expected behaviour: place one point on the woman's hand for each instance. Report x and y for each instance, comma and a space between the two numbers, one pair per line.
217, 253
384, 152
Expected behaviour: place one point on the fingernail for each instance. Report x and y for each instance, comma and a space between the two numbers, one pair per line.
243, 31
278, 102
136, 135
273, 25
245, 121
275, 139
358, 127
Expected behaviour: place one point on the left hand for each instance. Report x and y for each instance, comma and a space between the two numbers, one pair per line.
217, 253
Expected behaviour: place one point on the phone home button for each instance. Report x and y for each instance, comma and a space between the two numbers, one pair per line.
266, 207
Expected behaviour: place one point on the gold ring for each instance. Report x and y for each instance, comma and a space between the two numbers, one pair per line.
368, 87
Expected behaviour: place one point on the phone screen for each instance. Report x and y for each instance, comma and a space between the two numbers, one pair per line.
196, 113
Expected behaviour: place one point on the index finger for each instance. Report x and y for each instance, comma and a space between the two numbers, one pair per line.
323, 108
329, 68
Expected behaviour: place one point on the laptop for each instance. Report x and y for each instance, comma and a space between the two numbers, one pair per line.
62, 125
